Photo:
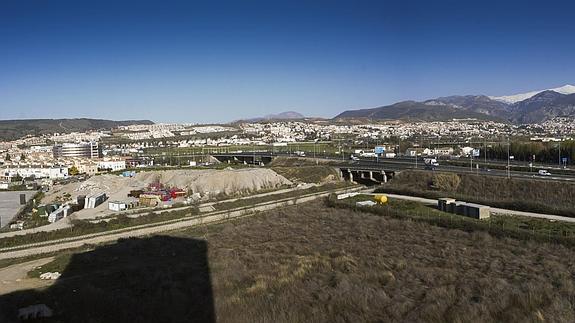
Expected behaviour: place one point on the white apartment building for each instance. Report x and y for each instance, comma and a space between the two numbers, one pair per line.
57, 172
112, 165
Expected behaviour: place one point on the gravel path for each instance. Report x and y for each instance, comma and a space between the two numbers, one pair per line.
493, 209
14, 277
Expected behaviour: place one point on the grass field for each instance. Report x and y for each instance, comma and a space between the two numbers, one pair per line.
308, 174
314, 263
516, 193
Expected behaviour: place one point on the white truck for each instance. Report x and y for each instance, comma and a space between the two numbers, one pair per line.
544, 172
430, 163
300, 153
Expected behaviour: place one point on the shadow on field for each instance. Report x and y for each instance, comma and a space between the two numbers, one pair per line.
157, 279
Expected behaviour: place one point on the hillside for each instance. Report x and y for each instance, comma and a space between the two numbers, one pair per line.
543, 106
433, 110
14, 129
287, 115
535, 107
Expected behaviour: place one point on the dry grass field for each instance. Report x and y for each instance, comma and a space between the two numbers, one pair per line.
313, 263
532, 195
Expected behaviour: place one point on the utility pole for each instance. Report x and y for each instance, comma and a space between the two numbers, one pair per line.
508, 160
314, 143
559, 153
485, 152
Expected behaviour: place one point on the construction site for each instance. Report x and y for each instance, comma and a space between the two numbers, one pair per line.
106, 194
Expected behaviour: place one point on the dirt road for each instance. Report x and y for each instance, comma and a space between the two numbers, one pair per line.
493, 209
14, 277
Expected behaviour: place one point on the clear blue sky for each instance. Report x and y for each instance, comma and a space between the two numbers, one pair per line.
216, 61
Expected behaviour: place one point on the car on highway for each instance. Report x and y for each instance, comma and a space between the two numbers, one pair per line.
544, 172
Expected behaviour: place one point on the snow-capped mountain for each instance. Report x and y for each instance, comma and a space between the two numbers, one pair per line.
532, 107
566, 89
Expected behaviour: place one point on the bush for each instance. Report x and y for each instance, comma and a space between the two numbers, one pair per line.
446, 182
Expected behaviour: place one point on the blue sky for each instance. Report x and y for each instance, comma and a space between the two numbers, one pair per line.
217, 61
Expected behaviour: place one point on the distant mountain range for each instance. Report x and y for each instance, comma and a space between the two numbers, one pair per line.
531, 107
288, 115
14, 129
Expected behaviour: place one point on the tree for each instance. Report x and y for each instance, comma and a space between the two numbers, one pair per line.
73, 171
17, 178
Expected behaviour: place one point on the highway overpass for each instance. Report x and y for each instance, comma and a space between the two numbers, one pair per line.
390, 166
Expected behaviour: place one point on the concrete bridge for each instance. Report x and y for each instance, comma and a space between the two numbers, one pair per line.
366, 175
247, 158
370, 173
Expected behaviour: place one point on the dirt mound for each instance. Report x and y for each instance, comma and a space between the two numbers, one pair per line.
227, 181
209, 182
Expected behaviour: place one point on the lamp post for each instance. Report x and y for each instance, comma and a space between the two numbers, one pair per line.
559, 153
508, 160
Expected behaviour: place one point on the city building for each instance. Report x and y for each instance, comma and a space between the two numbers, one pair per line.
112, 165
55, 172
84, 149
87, 168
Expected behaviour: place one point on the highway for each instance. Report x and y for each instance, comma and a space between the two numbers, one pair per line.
404, 163
401, 164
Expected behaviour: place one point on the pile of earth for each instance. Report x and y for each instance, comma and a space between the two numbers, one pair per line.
209, 182
227, 181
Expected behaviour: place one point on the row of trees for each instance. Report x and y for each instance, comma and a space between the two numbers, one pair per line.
524, 151
9, 158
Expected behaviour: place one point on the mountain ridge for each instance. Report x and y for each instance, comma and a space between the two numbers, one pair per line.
539, 107
18, 128
565, 89
286, 115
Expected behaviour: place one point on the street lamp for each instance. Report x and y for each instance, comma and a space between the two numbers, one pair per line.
559, 153
508, 160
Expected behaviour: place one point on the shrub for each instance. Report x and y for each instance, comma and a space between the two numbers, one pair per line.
446, 182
